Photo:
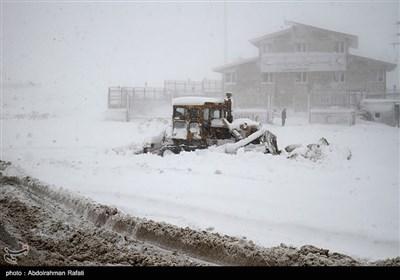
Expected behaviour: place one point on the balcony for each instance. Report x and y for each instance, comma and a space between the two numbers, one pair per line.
303, 62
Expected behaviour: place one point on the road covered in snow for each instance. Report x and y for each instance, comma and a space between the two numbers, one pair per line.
345, 201
57, 228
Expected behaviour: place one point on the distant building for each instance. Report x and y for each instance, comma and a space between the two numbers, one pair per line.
299, 61
382, 110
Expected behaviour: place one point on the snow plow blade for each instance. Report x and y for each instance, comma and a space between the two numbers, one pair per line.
266, 138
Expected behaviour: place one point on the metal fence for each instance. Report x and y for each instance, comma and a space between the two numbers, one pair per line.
116, 98
141, 100
351, 99
325, 101
193, 88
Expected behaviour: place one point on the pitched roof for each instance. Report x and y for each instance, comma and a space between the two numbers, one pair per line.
255, 41
221, 68
353, 40
389, 66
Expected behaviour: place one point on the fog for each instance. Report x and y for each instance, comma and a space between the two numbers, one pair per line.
58, 131
72, 46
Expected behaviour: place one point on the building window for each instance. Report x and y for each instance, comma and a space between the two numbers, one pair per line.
268, 48
300, 47
268, 78
339, 47
377, 75
230, 78
339, 77
300, 77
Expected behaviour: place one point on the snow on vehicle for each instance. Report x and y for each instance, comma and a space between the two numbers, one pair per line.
200, 122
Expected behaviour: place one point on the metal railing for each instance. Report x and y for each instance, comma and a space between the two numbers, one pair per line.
196, 88
351, 99
147, 96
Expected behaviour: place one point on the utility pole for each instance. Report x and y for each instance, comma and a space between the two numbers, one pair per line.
397, 106
225, 34
395, 44
398, 33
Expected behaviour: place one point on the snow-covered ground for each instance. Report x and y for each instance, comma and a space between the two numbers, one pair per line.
345, 205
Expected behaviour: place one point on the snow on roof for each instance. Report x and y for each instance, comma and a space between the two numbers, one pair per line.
390, 66
195, 100
353, 40
337, 110
221, 68
255, 41
396, 101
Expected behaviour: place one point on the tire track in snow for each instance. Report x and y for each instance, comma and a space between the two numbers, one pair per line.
66, 229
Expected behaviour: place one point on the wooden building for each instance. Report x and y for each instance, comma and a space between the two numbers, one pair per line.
302, 61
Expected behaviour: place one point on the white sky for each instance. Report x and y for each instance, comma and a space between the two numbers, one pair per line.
93, 45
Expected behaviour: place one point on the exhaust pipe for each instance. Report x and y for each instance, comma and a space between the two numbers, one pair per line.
229, 116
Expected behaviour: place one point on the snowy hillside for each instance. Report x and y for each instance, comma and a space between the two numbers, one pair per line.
346, 201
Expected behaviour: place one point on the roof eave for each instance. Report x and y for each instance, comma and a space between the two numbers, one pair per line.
221, 68
353, 39
257, 40
389, 66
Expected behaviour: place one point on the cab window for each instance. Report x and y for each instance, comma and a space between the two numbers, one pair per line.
206, 113
193, 114
179, 113
215, 114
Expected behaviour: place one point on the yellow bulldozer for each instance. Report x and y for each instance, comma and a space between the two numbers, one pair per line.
200, 122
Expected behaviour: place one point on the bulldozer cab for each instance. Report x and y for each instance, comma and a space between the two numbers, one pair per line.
199, 120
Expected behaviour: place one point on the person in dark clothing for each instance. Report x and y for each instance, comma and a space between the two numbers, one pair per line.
283, 116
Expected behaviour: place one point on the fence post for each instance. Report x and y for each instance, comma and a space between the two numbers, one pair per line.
294, 102
128, 116
384, 92
309, 108
349, 100
269, 117
108, 98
